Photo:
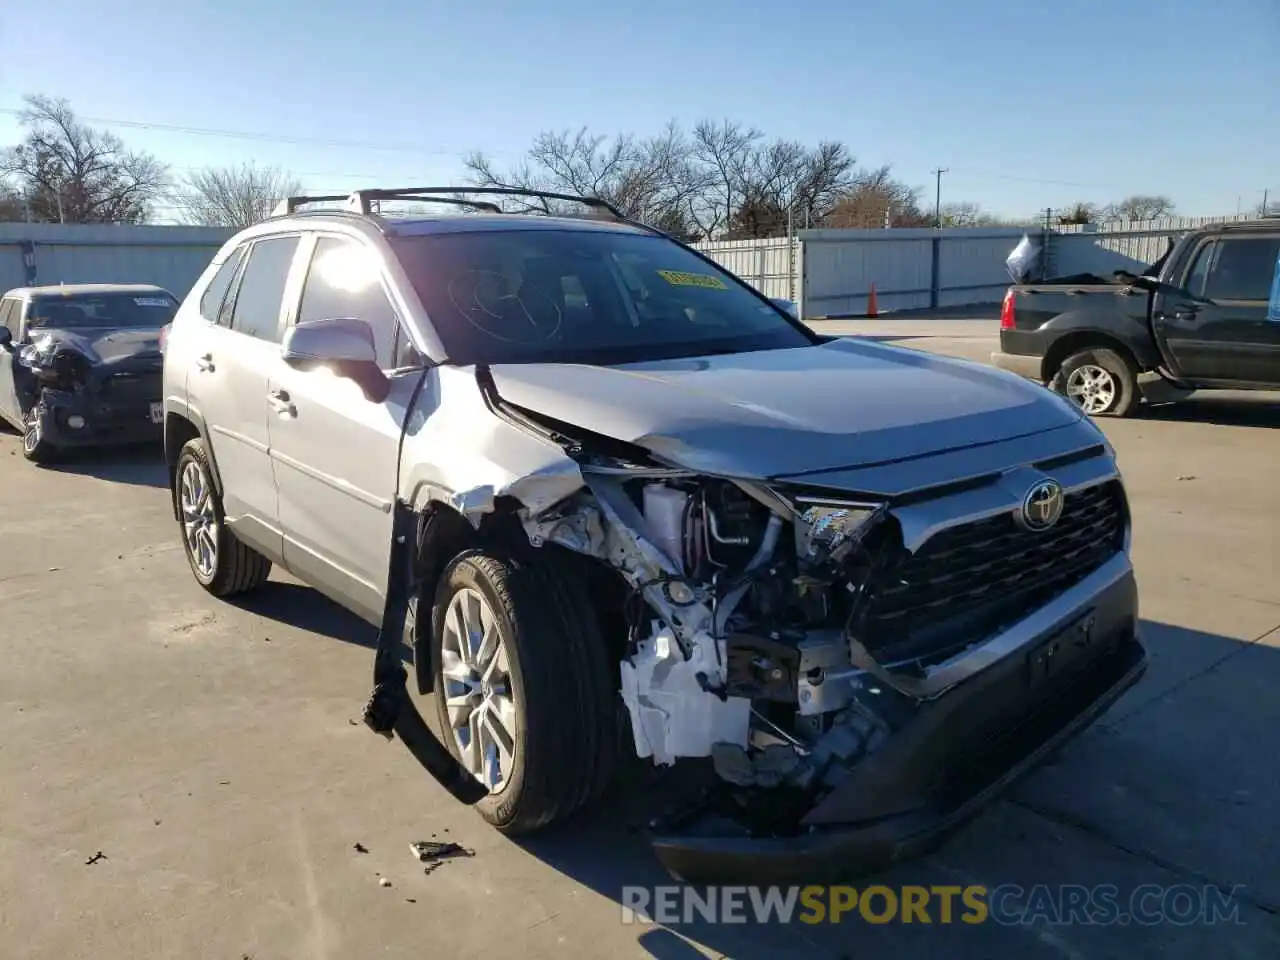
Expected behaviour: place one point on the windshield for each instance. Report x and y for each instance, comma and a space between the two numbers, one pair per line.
114, 310
584, 296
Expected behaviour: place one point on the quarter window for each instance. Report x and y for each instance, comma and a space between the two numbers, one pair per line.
216, 292
1199, 270
256, 310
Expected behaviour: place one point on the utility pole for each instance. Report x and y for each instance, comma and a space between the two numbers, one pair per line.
1265, 193
937, 202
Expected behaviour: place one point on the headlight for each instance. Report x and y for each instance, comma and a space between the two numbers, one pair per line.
37, 353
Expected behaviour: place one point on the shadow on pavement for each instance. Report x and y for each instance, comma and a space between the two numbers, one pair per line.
140, 466
1171, 761
306, 608
1234, 410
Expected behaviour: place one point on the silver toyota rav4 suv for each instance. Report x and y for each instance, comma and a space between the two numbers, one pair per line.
616, 502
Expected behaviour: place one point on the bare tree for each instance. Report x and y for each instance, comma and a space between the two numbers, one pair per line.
65, 171
235, 196
787, 182
1080, 212
722, 179
12, 207
877, 199
650, 179
1139, 207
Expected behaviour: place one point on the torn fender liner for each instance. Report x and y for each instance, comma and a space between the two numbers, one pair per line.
390, 708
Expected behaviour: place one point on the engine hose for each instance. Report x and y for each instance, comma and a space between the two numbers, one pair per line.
390, 708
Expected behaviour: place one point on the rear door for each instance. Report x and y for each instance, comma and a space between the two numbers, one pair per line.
228, 384
1222, 333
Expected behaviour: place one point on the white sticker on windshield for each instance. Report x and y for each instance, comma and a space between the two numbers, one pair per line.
152, 302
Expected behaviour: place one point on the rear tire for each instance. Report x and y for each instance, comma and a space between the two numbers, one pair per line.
220, 562
538, 666
1102, 382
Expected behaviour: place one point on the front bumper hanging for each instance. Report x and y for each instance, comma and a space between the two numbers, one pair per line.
390, 709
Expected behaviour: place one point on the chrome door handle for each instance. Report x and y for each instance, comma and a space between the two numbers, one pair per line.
205, 362
280, 402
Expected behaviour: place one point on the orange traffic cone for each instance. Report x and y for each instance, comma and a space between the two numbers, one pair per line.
871, 302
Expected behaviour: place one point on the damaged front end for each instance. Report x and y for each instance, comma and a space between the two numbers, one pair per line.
861, 672
70, 397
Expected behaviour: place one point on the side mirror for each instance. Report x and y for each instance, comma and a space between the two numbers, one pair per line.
6, 338
786, 306
343, 344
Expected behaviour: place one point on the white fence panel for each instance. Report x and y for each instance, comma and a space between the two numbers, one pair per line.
172, 257
1133, 245
971, 264
769, 265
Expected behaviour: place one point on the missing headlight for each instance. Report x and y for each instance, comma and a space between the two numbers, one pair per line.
828, 530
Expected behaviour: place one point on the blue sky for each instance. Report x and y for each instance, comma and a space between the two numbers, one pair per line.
1029, 104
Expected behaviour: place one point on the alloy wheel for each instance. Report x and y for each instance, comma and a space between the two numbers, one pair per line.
477, 689
199, 521
1093, 388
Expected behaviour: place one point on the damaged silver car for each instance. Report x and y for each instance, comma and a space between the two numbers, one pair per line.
616, 502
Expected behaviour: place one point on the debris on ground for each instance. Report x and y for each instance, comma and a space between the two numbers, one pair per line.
1186, 476
429, 850
359, 847
95, 858
410, 900
384, 882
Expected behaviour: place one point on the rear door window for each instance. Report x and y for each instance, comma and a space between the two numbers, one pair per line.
1243, 269
256, 312
9, 317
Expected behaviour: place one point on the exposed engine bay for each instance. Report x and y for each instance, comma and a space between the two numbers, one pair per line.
741, 610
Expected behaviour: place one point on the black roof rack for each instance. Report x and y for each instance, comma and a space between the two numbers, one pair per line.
361, 201
290, 205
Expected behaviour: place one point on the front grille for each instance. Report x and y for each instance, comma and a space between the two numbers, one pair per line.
968, 582
132, 386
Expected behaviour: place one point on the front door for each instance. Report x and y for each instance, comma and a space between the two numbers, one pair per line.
1222, 334
229, 382
335, 452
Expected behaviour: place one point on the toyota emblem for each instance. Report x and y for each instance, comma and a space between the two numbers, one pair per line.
1042, 506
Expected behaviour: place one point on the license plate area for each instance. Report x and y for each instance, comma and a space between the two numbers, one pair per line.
157, 413
1063, 653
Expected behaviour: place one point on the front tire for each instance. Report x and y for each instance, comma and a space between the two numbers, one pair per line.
524, 695
221, 563
1102, 382
36, 447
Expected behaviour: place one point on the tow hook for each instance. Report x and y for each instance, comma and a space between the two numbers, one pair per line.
389, 709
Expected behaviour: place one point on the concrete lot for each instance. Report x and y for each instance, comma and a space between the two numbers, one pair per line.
208, 750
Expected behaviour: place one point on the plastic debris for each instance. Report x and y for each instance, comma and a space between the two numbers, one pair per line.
429, 850
359, 847
384, 882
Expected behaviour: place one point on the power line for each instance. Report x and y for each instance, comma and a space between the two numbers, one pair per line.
261, 137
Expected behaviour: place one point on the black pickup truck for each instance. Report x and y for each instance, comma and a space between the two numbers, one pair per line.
1204, 316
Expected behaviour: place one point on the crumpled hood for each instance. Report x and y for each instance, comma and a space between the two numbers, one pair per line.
844, 403
103, 344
